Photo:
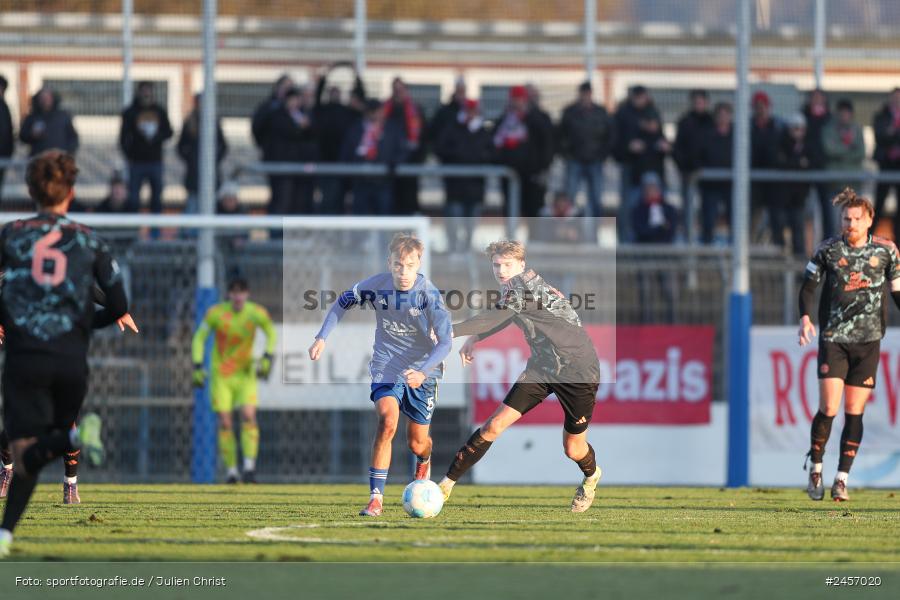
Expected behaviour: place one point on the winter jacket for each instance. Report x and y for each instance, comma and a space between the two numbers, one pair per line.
794, 155
444, 117
144, 131
333, 121
887, 142
458, 144
261, 125
844, 147
716, 153
628, 129
392, 148
764, 144
693, 128
654, 233
7, 135
585, 134
288, 141
814, 125
525, 154
46, 130
189, 151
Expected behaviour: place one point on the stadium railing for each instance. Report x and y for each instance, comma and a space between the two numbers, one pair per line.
401, 170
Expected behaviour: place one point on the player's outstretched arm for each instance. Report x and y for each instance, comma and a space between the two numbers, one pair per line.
103, 318
812, 277
484, 324
317, 348
467, 352
109, 291
345, 301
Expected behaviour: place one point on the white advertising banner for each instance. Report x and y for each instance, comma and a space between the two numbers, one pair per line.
784, 398
340, 378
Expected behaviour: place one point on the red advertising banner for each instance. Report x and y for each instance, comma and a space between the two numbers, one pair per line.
658, 375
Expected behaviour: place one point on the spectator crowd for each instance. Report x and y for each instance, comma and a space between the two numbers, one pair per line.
307, 124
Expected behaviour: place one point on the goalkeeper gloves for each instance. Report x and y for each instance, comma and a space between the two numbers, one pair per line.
199, 376
264, 366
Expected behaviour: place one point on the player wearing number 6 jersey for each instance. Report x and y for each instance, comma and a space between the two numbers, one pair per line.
50, 265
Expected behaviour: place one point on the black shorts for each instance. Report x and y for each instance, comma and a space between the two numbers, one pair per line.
855, 364
576, 396
41, 393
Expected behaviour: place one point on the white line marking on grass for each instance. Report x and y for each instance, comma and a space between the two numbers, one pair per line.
282, 534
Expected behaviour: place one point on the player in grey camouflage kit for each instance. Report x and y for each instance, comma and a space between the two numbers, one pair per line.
859, 270
563, 362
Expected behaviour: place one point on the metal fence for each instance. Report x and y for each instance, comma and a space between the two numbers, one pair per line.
141, 384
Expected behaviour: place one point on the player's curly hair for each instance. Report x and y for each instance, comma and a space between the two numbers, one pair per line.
406, 243
50, 177
850, 199
509, 248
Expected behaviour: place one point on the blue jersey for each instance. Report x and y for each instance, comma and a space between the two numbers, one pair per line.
413, 329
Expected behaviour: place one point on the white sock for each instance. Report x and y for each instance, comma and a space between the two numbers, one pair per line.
817, 467
233, 472
374, 495
446, 481
70, 480
249, 464
842, 476
5, 534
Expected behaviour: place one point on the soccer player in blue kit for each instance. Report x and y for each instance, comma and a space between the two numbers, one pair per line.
413, 335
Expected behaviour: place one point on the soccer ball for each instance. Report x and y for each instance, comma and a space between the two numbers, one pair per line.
422, 499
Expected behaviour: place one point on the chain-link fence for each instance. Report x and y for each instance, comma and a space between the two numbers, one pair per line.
140, 384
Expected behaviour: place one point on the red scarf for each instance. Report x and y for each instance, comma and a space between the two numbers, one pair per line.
368, 145
411, 117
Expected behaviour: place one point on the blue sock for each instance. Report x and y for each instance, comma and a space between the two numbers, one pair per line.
377, 479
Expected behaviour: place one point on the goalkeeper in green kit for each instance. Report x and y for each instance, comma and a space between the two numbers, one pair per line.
234, 372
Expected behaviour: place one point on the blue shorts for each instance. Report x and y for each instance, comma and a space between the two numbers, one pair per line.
417, 404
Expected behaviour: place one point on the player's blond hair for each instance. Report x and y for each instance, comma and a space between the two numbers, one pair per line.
506, 248
850, 199
404, 244
50, 177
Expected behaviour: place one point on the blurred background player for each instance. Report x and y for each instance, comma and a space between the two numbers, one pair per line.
412, 338
563, 362
50, 261
857, 268
233, 382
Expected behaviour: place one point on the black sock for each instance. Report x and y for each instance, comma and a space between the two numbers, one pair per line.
46, 448
468, 455
20, 490
5, 454
851, 437
588, 464
71, 462
819, 434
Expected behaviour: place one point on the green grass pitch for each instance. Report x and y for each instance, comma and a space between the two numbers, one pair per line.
478, 524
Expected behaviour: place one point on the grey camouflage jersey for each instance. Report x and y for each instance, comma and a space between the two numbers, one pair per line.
853, 307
